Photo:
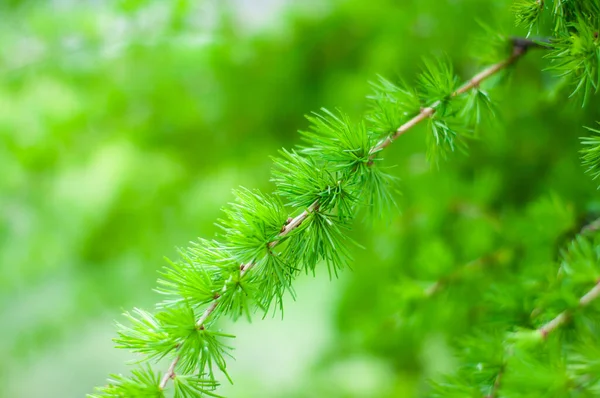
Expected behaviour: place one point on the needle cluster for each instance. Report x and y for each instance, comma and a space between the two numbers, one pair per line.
575, 47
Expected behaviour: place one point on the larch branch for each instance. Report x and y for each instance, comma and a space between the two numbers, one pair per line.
564, 316
244, 268
520, 47
170, 373
497, 384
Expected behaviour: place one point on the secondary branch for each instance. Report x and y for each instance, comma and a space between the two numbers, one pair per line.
552, 325
564, 316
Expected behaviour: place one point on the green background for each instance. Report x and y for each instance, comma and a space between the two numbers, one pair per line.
125, 125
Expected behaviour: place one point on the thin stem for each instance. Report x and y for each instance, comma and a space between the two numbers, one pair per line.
564, 316
209, 310
519, 49
244, 268
497, 384
594, 226
295, 222
170, 373
497, 257
552, 325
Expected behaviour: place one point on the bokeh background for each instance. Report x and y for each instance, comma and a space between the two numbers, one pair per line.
124, 126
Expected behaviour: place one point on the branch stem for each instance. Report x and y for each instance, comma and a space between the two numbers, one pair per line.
549, 327
170, 373
520, 47
497, 384
564, 316
244, 268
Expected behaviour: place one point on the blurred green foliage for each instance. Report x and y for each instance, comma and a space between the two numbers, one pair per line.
125, 125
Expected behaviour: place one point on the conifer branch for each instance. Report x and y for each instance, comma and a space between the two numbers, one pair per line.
244, 268
520, 47
345, 148
548, 328
326, 182
295, 222
564, 316
541, 333
497, 384
497, 257
592, 227
585, 300
170, 373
